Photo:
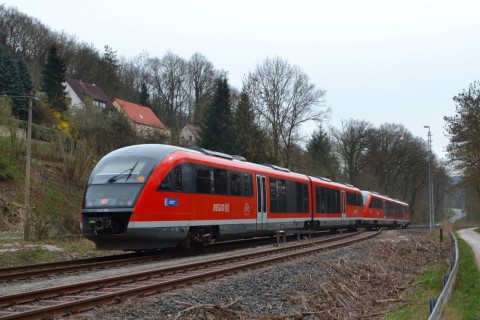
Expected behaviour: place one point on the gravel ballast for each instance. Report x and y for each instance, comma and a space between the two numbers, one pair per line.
365, 280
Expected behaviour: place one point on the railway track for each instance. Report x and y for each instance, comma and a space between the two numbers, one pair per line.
71, 267
77, 297
56, 268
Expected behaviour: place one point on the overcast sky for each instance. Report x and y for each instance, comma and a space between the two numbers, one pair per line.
382, 61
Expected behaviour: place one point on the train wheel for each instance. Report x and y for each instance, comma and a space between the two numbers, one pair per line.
201, 236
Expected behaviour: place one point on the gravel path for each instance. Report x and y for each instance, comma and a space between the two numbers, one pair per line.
473, 239
358, 282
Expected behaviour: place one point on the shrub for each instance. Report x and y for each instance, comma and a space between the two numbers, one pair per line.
8, 169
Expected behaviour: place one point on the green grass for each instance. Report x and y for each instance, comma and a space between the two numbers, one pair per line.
429, 285
32, 252
26, 255
464, 303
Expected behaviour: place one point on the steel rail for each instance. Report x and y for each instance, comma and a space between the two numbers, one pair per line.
85, 295
47, 269
44, 269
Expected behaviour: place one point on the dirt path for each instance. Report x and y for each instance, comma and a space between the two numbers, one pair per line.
473, 239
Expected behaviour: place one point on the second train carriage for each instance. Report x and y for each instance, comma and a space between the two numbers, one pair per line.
382, 211
155, 196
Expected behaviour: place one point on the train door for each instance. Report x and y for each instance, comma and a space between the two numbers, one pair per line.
261, 202
344, 204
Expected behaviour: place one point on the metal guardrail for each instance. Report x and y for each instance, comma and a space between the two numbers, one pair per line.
438, 305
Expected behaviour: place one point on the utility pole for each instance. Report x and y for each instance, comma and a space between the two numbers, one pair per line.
26, 218
430, 182
26, 215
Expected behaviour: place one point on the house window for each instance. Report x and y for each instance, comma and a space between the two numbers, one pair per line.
100, 104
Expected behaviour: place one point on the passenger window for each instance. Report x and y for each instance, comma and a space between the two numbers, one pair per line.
220, 181
247, 185
173, 181
235, 184
203, 180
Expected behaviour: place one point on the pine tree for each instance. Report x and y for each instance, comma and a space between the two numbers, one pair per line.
217, 129
53, 77
144, 95
26, 87
320, 150
108, 68
15, 82
250, 141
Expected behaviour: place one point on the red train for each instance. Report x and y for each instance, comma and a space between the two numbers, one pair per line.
156, 196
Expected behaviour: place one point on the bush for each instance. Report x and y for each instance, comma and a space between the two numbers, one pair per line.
54, 217
7, 169
10, 214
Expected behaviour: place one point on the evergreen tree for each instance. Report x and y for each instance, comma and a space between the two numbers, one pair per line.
144, 95
217, 129
250, 141
25, 83
15, 82
108, 69
321, 154
53, 77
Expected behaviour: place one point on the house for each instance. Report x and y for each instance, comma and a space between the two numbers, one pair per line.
189, 135
142, 119
79, 92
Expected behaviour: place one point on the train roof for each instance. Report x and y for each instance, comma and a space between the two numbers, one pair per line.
378, 195
160, 151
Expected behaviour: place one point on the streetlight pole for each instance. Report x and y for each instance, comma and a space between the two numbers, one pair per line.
430, 182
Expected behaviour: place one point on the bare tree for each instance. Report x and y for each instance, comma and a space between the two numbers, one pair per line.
464, 130
284, 99
26, 38
352, 145
202, 77
168, 77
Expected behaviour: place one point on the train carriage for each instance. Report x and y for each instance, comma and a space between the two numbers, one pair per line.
382, 211
336, 205
155, 196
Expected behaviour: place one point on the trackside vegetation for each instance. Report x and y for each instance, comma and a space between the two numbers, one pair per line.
464, 303
424, 287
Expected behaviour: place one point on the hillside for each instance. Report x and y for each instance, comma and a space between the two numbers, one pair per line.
55, 200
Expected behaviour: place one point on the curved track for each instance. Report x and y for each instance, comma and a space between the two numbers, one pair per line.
85, 295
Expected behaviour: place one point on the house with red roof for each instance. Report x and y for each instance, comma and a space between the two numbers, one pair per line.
142, 119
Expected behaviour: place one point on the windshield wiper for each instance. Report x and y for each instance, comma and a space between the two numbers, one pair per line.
127, 172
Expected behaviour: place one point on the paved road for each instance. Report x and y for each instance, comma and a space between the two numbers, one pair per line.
457, 215
473, 239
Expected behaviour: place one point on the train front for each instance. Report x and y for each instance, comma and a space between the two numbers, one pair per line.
112, 195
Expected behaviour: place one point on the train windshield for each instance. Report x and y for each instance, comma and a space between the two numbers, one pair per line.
117, 182
123, 170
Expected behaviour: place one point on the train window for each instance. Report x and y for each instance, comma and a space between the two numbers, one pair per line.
328, 200
247, 185
173, 181
354, 199
399, 210
220, 181
390, 209
273, 195
123, 170
376, 203
235, 184
302, 200
278, 195
204, 180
